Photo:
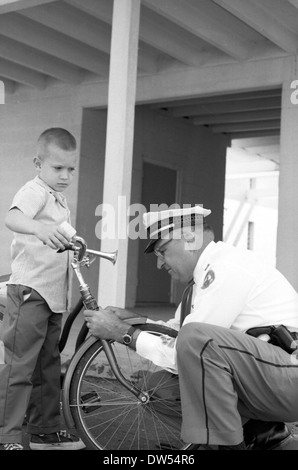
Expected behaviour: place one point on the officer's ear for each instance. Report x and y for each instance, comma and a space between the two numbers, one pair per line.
189, 237
190, 240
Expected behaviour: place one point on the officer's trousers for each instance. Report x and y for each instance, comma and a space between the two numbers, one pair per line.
30, 375
227, 377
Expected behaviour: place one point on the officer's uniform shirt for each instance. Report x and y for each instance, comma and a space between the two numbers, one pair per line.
232, 289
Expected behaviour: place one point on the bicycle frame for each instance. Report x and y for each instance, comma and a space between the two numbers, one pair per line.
87, 300
82, 258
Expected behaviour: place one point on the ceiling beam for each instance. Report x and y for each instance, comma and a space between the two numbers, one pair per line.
164, 36
83, 27
74, 23
227, 107
200, 19
265, 21
44, 39
159, 34
199, 82
7, 6
286, 14
43, 63
22, 75
246, 127
153, 34
249, 116
103, 9
294, 3
276, 92
255, 134
86, 28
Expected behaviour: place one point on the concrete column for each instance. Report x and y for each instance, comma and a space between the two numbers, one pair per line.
287, 234
119, 149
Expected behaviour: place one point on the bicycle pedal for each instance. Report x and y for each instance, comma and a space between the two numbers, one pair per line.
90, 401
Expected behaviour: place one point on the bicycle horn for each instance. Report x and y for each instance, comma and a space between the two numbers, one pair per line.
102, 254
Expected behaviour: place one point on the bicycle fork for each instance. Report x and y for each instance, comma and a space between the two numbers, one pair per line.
90, 303
143, 397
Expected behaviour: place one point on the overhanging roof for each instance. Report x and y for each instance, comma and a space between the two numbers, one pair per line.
45, 42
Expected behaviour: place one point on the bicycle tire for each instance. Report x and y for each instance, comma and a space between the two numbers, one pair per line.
109, 417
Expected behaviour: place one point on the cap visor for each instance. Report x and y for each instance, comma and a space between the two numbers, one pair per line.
150, 247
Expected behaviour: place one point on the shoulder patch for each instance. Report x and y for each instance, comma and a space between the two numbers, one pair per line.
209, 278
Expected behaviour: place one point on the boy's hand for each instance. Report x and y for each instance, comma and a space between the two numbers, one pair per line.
51, 235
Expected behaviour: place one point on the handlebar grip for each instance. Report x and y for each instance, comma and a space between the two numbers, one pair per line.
68, 231
70, 246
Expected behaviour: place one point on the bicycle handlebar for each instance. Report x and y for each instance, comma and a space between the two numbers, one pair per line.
82, 251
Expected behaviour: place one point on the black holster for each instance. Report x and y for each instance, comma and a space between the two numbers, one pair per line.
279, 336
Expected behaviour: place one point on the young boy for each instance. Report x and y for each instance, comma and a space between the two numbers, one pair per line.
36, 299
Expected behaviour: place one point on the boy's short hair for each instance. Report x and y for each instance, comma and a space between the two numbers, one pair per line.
58, 136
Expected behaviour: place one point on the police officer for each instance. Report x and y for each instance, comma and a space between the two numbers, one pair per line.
228, 379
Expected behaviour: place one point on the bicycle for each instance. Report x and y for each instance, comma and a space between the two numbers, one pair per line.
106, 396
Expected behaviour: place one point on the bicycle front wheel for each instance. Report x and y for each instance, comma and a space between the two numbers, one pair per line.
109, 416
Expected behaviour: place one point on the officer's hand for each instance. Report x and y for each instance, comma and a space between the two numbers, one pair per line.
105, 324
122, 313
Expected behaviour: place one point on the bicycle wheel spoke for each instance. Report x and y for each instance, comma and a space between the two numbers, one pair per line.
119, 424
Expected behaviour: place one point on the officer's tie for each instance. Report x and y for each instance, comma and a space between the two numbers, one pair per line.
186, 301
